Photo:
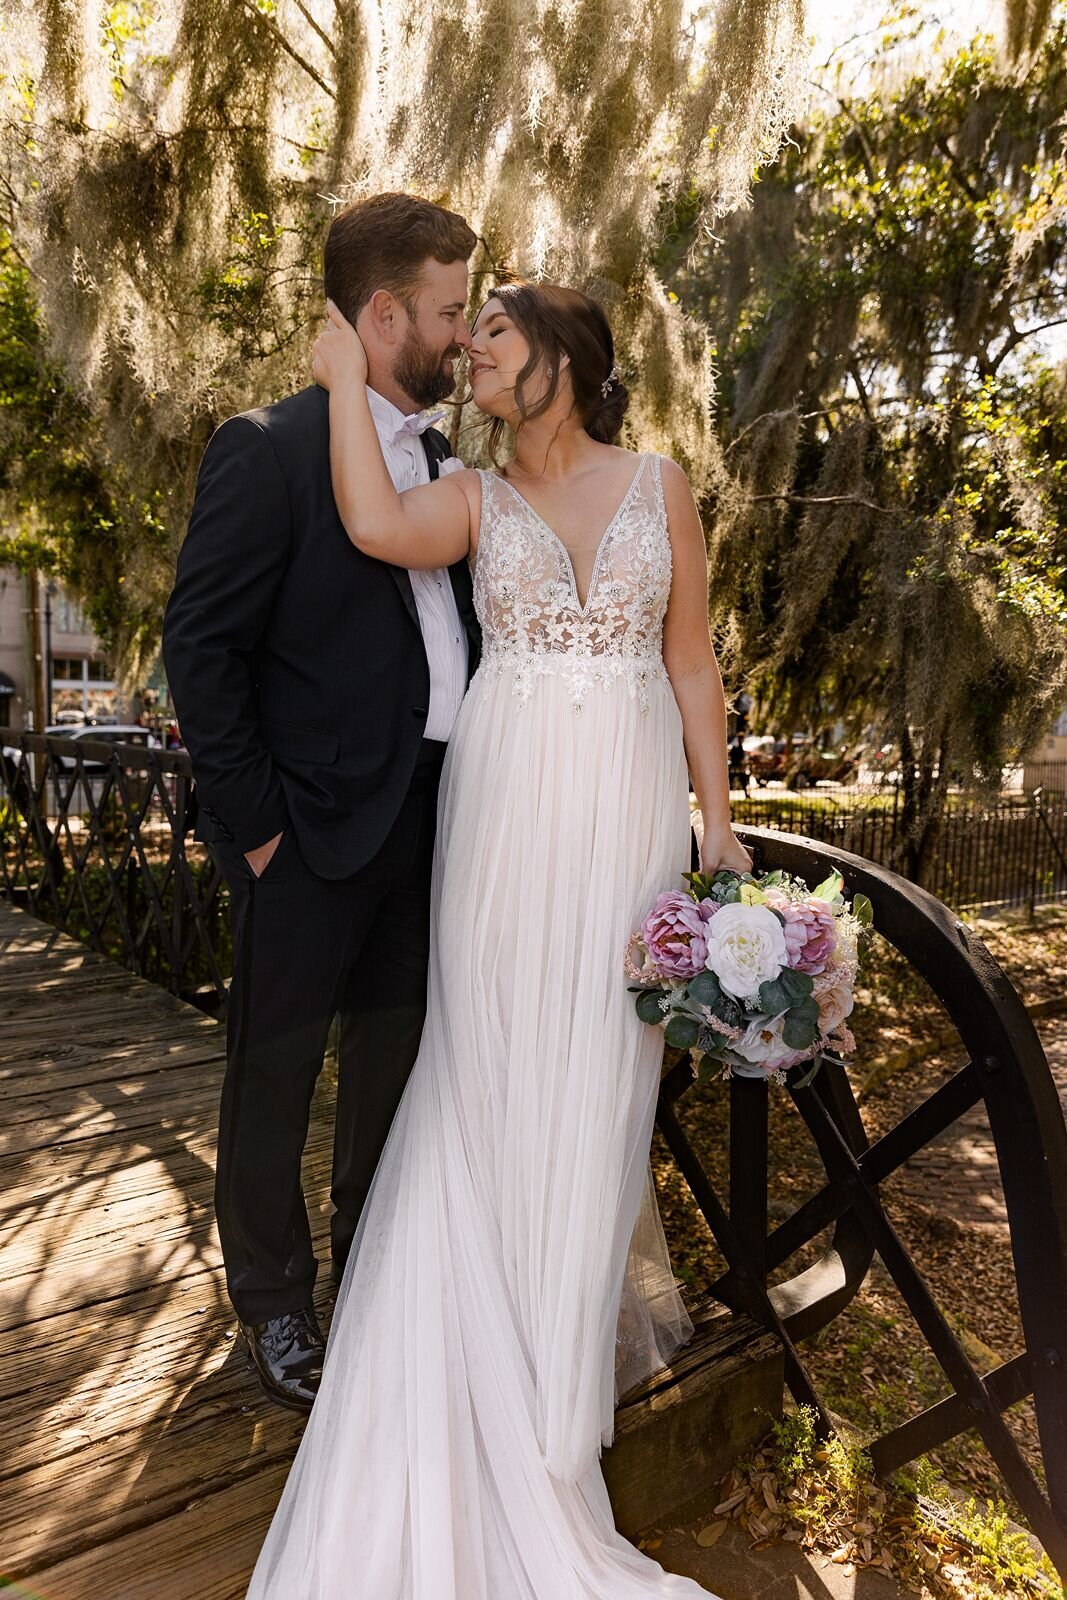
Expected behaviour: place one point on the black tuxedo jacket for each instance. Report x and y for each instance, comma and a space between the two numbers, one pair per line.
296, 663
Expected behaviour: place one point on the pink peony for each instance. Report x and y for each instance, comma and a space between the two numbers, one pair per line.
674, 935
810, 934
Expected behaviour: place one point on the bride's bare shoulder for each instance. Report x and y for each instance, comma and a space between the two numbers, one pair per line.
675, 478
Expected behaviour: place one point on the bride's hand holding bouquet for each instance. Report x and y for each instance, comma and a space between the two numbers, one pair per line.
722, 850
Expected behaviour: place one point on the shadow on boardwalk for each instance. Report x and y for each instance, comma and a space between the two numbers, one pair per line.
140, 1459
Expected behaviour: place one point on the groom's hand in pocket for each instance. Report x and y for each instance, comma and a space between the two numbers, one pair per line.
259, 857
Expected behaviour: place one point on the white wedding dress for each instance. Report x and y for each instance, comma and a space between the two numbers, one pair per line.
478, 1341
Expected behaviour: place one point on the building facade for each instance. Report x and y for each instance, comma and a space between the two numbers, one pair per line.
41, 626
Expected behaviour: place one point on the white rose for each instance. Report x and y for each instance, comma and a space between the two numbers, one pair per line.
746, 947
762, 1040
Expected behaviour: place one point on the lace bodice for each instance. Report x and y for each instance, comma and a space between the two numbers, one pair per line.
527, 600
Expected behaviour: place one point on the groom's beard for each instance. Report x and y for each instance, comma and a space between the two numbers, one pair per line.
421, 372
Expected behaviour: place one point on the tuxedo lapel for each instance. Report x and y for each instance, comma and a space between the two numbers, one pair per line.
402, 580
399, 574
437, 450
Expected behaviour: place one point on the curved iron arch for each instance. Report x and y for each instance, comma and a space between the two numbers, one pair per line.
1008, 1071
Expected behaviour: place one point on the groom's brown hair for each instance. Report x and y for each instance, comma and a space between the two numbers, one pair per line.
383, 242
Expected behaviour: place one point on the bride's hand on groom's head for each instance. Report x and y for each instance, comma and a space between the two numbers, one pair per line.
338, 352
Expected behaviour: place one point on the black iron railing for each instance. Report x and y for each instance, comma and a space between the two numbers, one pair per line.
93, 840
1008, 1073
1005, 850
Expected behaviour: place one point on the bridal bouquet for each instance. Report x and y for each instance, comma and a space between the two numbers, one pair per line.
751, 974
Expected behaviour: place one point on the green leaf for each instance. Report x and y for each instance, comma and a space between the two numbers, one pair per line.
774, 998
707, 1067
797, 985
648, 1006
798, 1032
704, 989
806, 1077
863, 910
681, 1032
829, 887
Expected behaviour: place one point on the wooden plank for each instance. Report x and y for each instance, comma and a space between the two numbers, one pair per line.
206, 1551
138, 1218
188, 1442
78, 1063
48, 1108
123, 1106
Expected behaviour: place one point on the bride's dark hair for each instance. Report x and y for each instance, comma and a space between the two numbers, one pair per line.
558, 321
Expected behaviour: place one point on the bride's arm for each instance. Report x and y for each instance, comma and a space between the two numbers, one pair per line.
429, 526
689, 658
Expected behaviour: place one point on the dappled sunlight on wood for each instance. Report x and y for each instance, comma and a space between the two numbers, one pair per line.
125, 1401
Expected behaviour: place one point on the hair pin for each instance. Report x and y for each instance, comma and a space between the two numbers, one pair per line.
609, 382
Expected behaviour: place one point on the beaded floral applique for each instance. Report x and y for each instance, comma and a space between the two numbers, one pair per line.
527, 599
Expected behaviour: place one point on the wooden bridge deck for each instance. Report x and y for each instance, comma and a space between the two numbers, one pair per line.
139, 1459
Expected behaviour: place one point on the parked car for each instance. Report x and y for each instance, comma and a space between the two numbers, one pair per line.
766, 757
809, 765
109, 733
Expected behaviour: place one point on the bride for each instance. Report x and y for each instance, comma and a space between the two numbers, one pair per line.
509, 1275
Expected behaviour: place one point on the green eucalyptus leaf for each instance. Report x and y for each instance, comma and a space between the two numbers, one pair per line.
707, 1067
648, 1008
806, 1077
681, 1032
704, 989
710, 1039
774, 998
799, 1032
797, 985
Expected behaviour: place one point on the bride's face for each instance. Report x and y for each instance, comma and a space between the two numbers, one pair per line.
498, 353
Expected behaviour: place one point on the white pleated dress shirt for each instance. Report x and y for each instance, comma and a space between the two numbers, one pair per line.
442, 630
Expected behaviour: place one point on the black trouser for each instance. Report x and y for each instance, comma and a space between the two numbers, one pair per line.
306, 948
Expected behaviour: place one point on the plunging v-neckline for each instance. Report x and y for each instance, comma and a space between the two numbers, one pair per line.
616, 514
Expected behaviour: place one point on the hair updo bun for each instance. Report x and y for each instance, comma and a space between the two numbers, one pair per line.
557, 321
606, 421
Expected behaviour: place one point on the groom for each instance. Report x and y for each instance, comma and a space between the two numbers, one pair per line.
316, 689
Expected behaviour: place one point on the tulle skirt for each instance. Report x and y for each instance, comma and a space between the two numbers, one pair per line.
509, 1276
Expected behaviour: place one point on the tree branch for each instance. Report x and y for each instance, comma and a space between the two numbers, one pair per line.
830, 500
942, 144
310, 20
854, 374
289, 49
1019, 336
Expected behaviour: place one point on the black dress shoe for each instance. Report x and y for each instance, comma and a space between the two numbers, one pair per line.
286, 1353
